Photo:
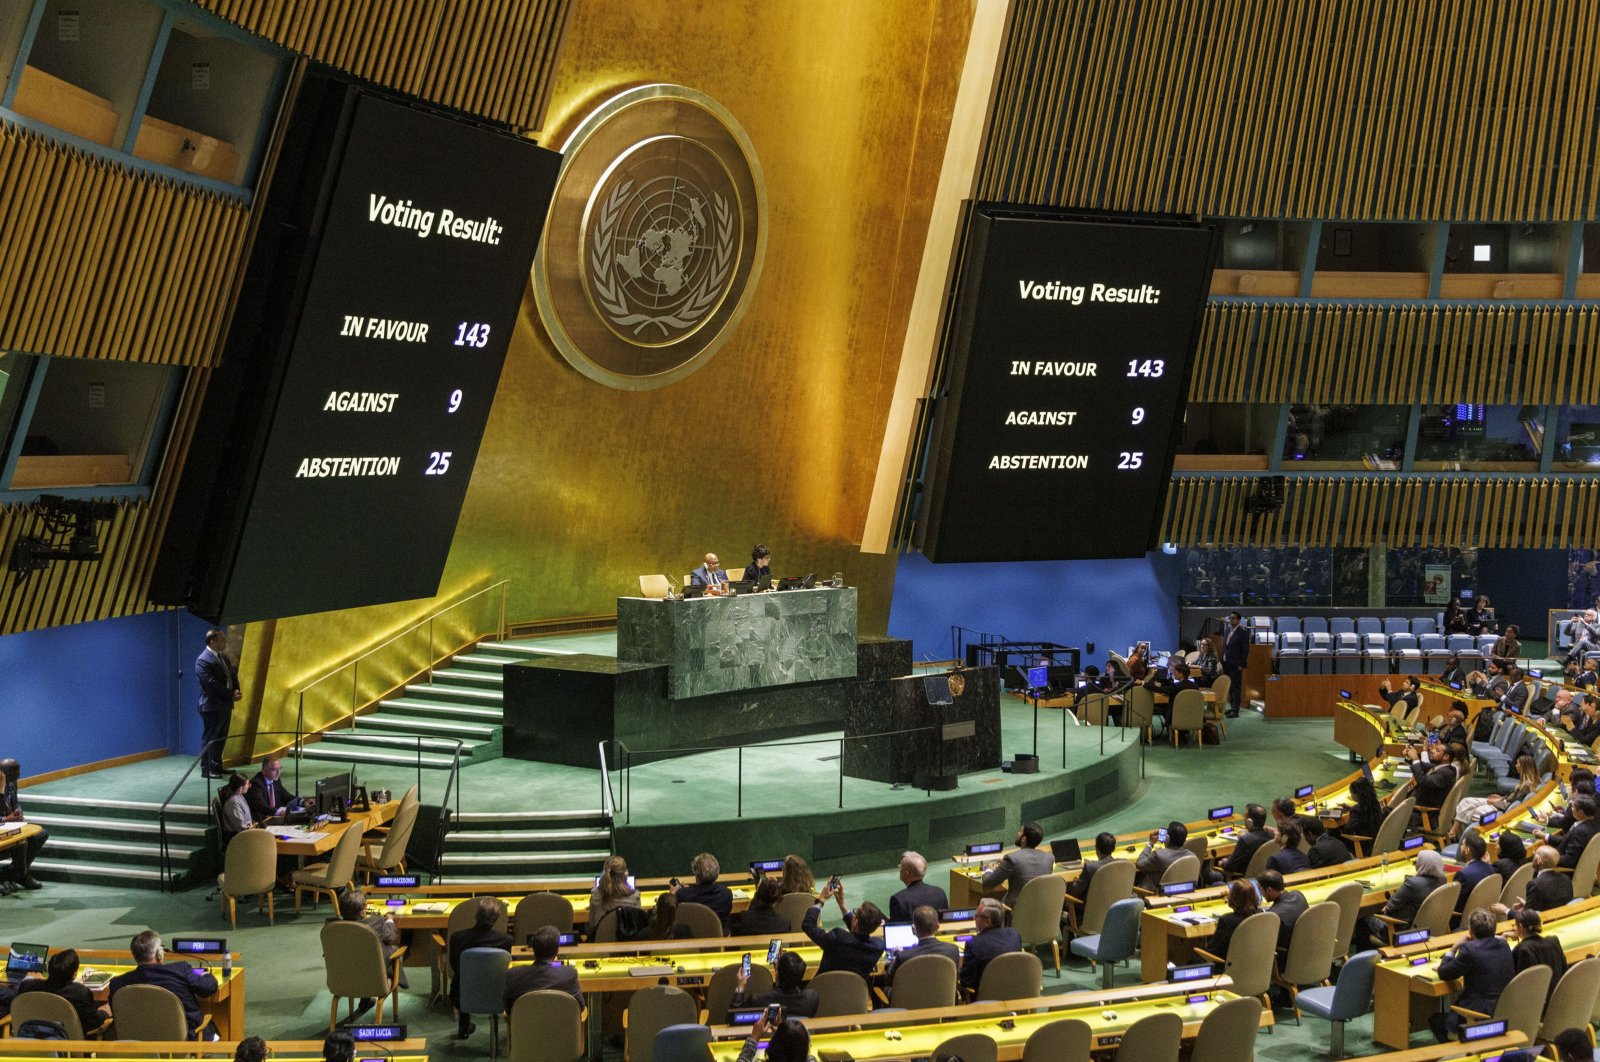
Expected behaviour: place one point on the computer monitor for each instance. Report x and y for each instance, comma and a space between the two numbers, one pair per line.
1039, 677
334, 787
897, 936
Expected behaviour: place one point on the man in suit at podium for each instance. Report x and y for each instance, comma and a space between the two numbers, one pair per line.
219, 689
710, 575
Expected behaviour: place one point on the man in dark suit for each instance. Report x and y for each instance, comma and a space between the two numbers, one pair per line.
1516, 695
797, 1002
706, 891
1104, 844
1434, 780
190, 985
219, 688
484, 933
1455, 731
1549, 888
992, 939
1153, 861
1475, 868
853, 948
23, 853
1015, 869
545, 972
925, 921
1287, 904
1235, 655
917, 893
1483, 964
1245, 845
1326, 849
1410, 694
1572, 841
710, 575
353, 908
267, 795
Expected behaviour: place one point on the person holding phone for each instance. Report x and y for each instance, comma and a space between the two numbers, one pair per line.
787, 1039
763, 918
1160, 852
706, 891
788, 992
853, 948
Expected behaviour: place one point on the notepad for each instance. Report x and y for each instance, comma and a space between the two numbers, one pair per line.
432, 907
652, 971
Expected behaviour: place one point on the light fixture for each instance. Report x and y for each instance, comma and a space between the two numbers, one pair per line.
1480, 252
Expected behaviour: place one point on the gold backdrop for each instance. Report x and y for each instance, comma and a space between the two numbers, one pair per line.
580, 488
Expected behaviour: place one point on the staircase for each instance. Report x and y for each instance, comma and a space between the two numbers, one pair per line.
462, 703
98, 841
489, 848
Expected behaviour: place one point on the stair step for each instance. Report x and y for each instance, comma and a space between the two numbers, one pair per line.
148, 851
471, 713
101, 805
443, 746
438, 727
497, 817
460, 676
347, 754
521, 648
119, 873
455, 859
474, 837
446, 694
60, 825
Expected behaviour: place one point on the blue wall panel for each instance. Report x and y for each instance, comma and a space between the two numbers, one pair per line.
92, 691
1112, 603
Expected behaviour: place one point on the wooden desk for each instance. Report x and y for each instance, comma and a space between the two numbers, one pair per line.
409, 1050
226, 1007
429, 906
12, 838
1482, 1051
1404, 994
1109, 1014
295, 841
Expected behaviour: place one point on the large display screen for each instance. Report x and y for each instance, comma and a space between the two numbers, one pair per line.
413, 270
1068, 366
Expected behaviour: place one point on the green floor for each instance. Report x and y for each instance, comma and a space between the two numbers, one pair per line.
285, 997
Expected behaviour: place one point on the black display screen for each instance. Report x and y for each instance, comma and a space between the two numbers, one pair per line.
1068, 369
366, 365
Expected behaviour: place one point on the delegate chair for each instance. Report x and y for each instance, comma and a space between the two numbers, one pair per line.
1181, 871
1139, 711
1434, 915
1251, 954
1421, 625
462, 916
1153, 1038
702, 921
1217, 709
655, 587
1436, 822
649, 1011
539, 909
1571, 1004
1258, 859
1347, 654
1348, 896
1037, 915
1521, 1003
1188, 716
1018, 975
47, 1006
841, 993
1366, 625
250, 868
1483, 894
725, 982
390, 858
923, 982
150, 1012
1390, 831
683, 1043
1111, 883
1341, 625
1117, 939
1309, 960
352, 957
1583, 874
969, 1047
1314, 624
1066, 1040
1407, 654
1228, 1032
1291, 653
1516, 889
794, 906
1350, 997
1094, 709
483, 988
545, 1026
1319, 653
1393, 625
332, 877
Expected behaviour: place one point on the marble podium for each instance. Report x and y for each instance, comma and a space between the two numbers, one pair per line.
716, 645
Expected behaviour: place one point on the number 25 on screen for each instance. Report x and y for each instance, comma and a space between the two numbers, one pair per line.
1148, 369
438, 463
1131, 460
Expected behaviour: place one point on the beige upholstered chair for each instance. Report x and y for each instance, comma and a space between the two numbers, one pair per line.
1390, 831
794, 906
1583, 874
1153, 1038
701, 920
651, 1010
1037, 914
1093, 709
1066, 1040
1016, 975
1484, 893
1516, 887
1521, 1002
1139, 710
969, 1047
1252, 951
842, 993
655, 587
539, 909
725, 982
462, 916
352, 958
47, 1006
1436, 822
1229, 1031
1258, 859
1433, 915
1310, 957
1348, 896
1110, 883
390, 857
1570, 1007
545, 1026
250, 868
150, 1012
924, 981
329, 877
1188, 716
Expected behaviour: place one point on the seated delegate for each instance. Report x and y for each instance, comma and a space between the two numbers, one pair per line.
20, 876
189, 984
710, 575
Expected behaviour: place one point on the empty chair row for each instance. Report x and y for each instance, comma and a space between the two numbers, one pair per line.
1291, 642
1267, 626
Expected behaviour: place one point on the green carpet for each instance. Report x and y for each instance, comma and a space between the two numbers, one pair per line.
285, 998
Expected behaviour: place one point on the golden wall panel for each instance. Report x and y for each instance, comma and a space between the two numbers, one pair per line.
494, 58
1397, 354
1362, 109
99, 261
1393, 511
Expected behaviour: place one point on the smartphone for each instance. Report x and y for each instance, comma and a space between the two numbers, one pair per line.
833, 882
1161, 835
774, 949
674, 883
744, 965
774, 1010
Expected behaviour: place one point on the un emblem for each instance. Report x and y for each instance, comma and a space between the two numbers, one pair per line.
654, 239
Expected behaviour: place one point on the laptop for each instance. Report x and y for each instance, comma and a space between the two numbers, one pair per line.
25, 959
1067, 853
898, 936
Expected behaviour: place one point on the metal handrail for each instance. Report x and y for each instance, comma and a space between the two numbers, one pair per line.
354, 666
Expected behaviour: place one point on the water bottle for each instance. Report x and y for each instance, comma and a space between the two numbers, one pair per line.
227, 965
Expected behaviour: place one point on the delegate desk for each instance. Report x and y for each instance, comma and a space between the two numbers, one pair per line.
865, 1037
304, 843
409, 1050
1406, 984
13, 833
428, 907
226, 1007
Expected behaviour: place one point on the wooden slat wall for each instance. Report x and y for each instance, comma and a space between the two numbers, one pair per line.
1359, 109
492, 58
99, 261
1395, 511
1397, 354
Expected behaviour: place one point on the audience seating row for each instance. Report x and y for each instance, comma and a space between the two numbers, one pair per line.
1266, 628
1376, 653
